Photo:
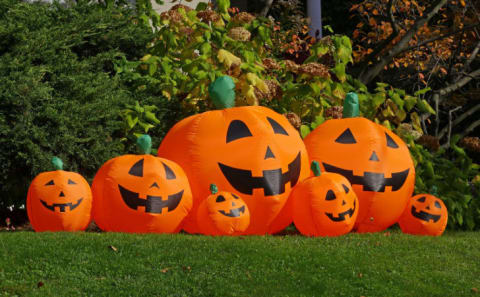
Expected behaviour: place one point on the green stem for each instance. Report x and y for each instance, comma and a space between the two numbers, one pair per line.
213, 189
350, 106
57, 163
144, 143
316, 168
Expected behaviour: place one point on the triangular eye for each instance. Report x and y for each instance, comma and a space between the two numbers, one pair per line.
220, 198
237, 129
346, 137
277, 129
390, 142
330, 195
137, 169
421, 199
437, 204
71, 182
50, 183
169, 172
346, 188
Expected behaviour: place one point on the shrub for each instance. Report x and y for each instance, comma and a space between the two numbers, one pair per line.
58, 94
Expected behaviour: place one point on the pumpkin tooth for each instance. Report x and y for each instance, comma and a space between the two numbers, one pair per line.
273, 181
153, 204
372, 181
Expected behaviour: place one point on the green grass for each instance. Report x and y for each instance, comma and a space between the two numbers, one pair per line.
83, 264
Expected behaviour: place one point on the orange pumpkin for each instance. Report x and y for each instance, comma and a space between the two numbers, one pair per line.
141, 193
424, 215
324, 205
59, 200
375, 161
222, 213
251, 151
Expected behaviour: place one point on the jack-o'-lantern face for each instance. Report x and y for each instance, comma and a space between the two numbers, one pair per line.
140, 194
156, 201
324, 205
375, 161
251, 151
59, 200
425, 215
223, 213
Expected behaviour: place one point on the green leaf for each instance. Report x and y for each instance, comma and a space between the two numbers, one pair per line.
378, 99
422, 91
223, 5
151, 117
410, 102
201, 6
304, 130
397, 99
424, 106
131, 122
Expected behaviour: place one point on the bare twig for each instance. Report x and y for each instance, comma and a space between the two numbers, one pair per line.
459, 119
449, 134
470, 128
370, 73
473, 55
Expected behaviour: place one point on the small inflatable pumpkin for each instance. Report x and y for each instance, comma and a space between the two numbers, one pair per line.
59, 200
424, 215
251, 151
141, 193
324, 205
222, 213
375, 161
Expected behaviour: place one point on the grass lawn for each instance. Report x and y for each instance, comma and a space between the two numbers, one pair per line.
116, 264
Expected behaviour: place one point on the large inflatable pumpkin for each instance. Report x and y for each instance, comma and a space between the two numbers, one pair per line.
140, 193
251, 151
59, 200
222, 213
375, 161
324, 205
424, 215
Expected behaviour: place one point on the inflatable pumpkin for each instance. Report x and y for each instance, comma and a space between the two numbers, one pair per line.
424, 215
59, 200
222, 213
375, 161
324, 205
140, 193
251, 151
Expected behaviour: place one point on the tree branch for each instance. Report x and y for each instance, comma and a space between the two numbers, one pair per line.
459, 119
459, 83
439, 37
470, 128
371, 72
381, 46
473, 55
266, 7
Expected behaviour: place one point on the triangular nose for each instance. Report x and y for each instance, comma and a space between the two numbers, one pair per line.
269, 154
428, 207
343, 202
154, 185
233, 204
61, 194
374, 157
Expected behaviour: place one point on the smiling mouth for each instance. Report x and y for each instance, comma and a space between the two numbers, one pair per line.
371, 181
234, 212
62, 206
153, 204
424, 216
272, 182
341, 216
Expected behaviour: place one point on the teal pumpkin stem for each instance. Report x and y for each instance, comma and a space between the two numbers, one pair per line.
213, 189
57, 163
144, 143
222, 92
316, 168
351, 107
